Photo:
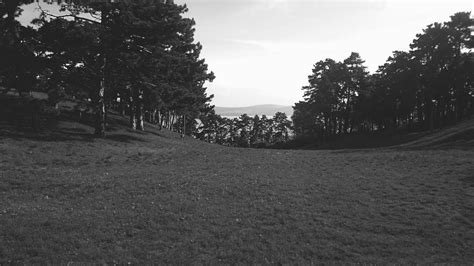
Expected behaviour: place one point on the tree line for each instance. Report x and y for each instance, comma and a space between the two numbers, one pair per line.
139, 57
245, 131
430, 86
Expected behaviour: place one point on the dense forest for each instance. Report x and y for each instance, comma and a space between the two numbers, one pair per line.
428, 87
245, 131
138, 57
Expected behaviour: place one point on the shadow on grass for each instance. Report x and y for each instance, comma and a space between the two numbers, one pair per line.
469, 179
119, 122
69, 126
62, 135
58, 132
43, 135
123, 138
355, 150
153, 132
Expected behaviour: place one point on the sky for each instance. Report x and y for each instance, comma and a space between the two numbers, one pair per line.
262, 51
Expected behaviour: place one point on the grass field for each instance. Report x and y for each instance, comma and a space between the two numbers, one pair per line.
154, 197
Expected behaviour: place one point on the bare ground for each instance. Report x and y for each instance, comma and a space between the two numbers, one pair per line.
154, 197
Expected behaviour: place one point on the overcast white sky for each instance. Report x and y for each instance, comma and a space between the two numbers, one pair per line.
263, 50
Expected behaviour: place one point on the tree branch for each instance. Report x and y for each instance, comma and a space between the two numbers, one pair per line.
44, 12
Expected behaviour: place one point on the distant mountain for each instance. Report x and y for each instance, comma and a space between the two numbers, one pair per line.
264, 109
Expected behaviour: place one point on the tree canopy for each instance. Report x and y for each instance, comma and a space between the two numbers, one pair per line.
430, 86
140, 56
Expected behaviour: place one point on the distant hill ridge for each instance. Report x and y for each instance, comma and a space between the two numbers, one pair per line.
263, 109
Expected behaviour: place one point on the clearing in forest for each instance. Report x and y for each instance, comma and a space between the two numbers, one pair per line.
154, 197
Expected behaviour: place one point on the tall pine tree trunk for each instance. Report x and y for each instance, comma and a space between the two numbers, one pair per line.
139, 109
100, 115
133, 113
183, 132
160, 119
429, 114
172, 121
122, 107
419, 111
340, 124
153, 116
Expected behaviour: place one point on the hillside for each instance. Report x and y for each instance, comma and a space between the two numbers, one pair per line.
461, 135
153, 197
265, 109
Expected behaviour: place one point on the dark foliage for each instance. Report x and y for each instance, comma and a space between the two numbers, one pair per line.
138, 57
430, 86
244, 131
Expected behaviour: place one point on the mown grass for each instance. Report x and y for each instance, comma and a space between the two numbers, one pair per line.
154, 197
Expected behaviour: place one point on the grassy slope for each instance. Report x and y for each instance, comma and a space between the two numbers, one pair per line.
461, 135
138, 197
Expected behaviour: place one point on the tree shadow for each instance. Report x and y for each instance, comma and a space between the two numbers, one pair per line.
7, 131
469, 180
69, 126
153, 132
64, 129
123, 138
